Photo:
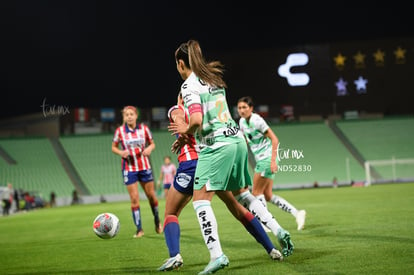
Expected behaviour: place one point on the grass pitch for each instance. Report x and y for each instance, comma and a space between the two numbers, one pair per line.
365, 230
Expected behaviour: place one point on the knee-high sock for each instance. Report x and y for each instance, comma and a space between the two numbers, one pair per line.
252, 224
284, 205
154, 208
136, 216
172, 234
262, 199
257, 209
208, 226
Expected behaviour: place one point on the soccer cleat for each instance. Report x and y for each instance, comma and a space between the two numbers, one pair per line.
172, 263
300, 219
139, 234
276, 255
283, 237
213, 266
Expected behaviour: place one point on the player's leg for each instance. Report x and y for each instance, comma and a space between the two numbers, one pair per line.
257, 208
210, 164
149, 190
180, 192
166, 187
260, 188
246, 199
173, 207
135, 208
250, 222
300, 215
263, 189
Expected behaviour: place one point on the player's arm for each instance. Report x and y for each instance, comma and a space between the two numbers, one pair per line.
275, 144
196, 119
149, 142
161, 176
178, 116
116, 150
151, 146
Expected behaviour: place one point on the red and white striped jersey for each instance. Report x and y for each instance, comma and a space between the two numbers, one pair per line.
188, 151
168, 171
135, 142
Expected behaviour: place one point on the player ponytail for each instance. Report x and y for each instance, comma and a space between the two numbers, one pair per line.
192, 56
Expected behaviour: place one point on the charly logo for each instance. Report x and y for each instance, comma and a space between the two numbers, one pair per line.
295, 60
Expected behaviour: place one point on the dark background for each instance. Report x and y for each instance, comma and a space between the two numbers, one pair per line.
115, 53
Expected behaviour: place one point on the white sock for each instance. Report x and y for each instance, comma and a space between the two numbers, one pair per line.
284, 205
208, 226
257, 209
262, 199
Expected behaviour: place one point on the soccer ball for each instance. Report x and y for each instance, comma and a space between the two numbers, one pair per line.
106, 225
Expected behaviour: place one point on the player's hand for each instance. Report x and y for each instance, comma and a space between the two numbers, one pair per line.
273, 167
176, 147
178, 127
125, 154
147, 152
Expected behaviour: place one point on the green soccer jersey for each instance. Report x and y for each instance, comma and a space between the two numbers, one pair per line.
253, 131
218, 126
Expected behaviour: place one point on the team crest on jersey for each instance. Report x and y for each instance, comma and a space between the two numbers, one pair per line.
183, 179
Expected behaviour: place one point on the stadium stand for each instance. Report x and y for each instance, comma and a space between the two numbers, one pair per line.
36, 168
311, 152
383, 139
99, 168
95, 163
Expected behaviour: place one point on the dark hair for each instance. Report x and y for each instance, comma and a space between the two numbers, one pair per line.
246, 99
209, 72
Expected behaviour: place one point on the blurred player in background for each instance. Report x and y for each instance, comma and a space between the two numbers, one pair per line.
7, 198
167, 175
137, 144
264, 144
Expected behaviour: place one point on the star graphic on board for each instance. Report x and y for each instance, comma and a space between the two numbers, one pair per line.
361, 85
340, 60
379, 57
399, 55
341, 87
359, 59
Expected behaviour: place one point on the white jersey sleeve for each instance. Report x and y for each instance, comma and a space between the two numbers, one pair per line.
259, 122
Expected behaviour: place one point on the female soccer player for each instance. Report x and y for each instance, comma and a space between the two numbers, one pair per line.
137, 144
167, 174
222, 161
181, 190
264, 143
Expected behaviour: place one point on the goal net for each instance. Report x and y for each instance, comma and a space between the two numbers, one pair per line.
389, 170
